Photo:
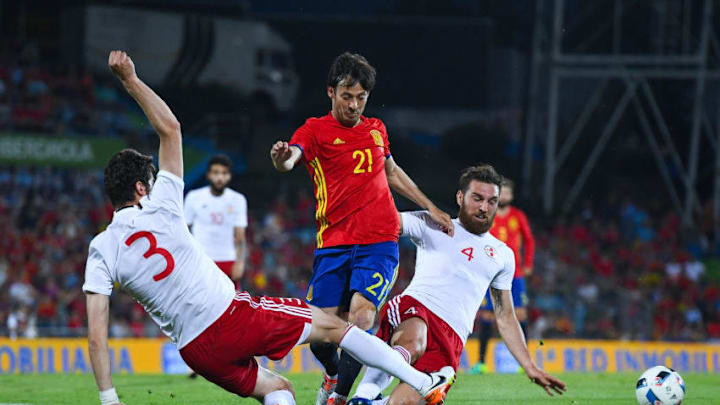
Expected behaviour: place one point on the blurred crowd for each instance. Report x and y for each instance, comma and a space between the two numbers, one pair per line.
624, 274
59, 99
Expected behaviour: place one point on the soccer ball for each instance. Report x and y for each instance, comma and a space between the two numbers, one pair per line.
660, 385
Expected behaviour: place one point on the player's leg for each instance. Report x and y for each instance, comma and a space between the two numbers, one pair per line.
374, 269
373, 352
361, 314
326, 291
225, 352
442, 344
273, 389
410, 339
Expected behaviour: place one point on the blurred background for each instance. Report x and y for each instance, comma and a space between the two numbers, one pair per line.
605, 113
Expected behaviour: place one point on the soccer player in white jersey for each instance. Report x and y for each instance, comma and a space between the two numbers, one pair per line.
217, 217
148, 251
431, 320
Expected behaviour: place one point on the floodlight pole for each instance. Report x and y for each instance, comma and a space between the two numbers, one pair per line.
699, 93
634, 70
532, 105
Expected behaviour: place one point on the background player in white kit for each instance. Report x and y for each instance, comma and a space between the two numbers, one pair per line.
217, 217
433, 317
149, 252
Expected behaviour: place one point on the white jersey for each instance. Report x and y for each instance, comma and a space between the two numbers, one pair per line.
214, 218
452, 274
149, 252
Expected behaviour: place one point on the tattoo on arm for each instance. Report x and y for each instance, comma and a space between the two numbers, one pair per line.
497, 300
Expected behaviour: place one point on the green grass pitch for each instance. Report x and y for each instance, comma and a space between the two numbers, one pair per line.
493, 389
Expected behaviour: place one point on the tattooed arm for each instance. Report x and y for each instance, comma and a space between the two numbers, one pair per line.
512, 335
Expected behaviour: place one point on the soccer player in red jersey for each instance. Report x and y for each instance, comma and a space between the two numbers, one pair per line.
512, 227
348, 158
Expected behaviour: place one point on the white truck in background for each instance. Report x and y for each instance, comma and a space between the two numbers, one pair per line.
183, 50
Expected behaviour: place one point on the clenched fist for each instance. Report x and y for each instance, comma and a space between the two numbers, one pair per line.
121, 65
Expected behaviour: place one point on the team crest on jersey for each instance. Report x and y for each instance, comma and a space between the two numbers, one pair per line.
377, 137
490, 251
513, 223
230, 209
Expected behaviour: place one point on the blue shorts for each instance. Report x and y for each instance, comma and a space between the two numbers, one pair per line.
519, 294
339, 271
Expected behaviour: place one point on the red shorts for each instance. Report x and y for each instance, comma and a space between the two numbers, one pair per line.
226, 267
444, 346
224, 353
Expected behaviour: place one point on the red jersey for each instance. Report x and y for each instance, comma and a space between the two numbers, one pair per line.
347, 165
513, 229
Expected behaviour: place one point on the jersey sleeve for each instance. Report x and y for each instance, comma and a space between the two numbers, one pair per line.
97, 274
189, 209
503, 279
304, 139
167, 192
414, 224
386, 141
241, 220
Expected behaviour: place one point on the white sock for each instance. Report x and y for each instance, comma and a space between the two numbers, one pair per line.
374, 352
281, 397
375, 381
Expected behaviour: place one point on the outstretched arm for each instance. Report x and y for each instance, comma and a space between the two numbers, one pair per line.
399, 181
98, 319
157, 112
512, 335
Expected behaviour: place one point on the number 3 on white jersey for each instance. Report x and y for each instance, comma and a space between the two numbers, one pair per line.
154, 250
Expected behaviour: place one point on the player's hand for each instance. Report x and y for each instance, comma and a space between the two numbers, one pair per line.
121, 65
546, 381
442, 219
527, 271
280, 152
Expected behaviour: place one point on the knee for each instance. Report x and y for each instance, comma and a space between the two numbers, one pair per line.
416, 351
363, 317
283, 383
415, 347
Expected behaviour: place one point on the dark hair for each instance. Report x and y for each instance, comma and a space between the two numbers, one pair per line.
123, 171
508, 183
220, 159
353, 67
482, 173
